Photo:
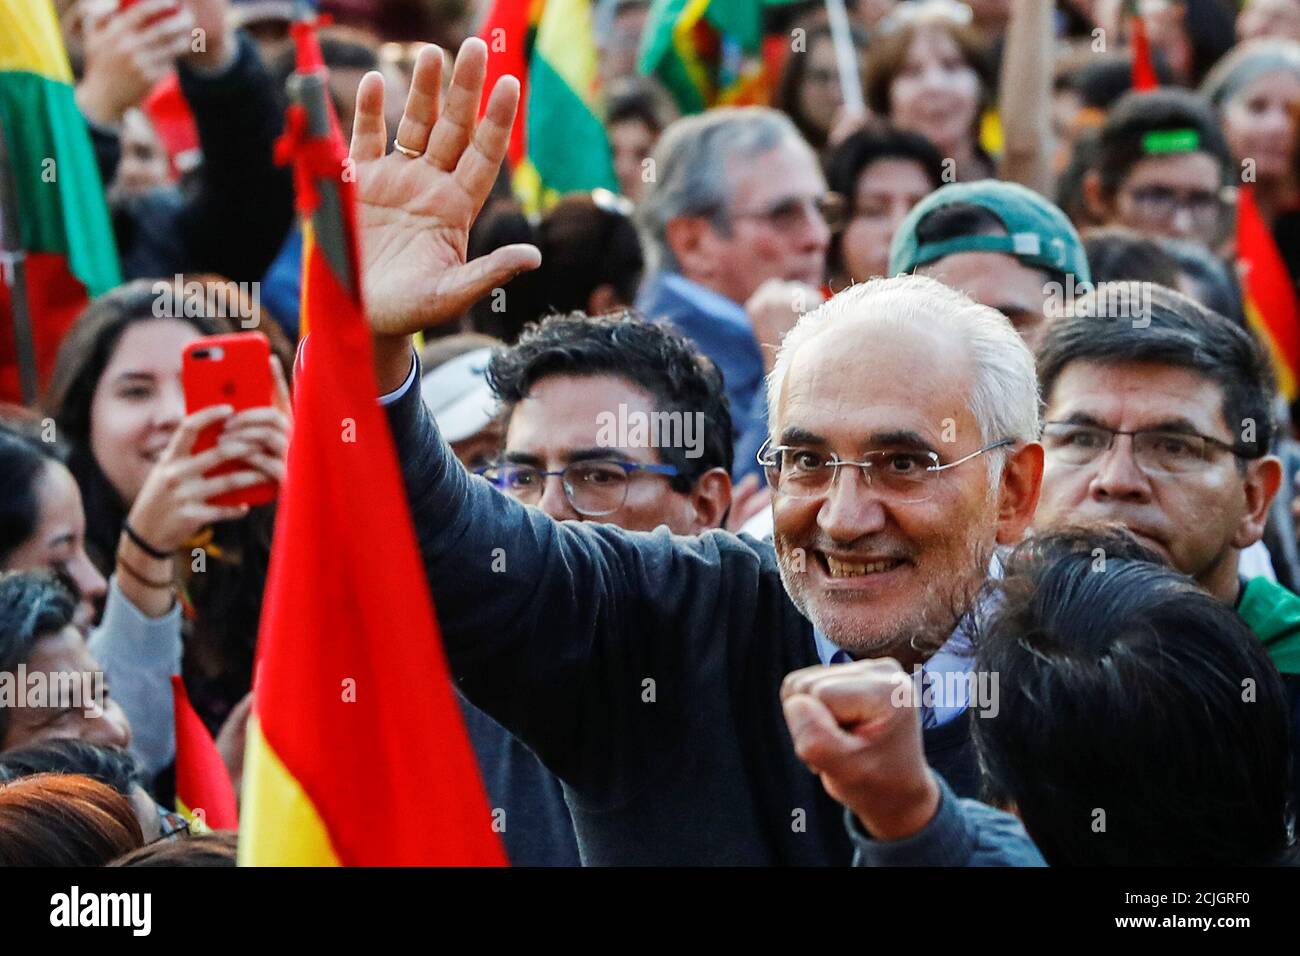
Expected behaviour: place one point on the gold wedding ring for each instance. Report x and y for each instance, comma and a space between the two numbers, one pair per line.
406, 150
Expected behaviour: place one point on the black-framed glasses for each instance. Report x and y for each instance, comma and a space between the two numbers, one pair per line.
793, 212
1156, 451
1160, 204
904, 476
594, 488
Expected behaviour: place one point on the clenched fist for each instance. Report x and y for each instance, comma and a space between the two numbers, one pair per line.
857, 727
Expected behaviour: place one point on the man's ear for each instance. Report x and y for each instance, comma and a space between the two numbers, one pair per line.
689, 239
1100, 206
1022, 481
1263, 479
711, 497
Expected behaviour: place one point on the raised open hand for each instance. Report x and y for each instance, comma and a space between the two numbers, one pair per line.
415, 211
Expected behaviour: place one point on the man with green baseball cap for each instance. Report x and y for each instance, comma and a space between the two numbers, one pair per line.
1002, 244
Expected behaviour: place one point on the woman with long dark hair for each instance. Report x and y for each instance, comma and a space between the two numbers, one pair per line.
117, 400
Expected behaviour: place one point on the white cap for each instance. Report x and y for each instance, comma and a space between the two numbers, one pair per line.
458, 395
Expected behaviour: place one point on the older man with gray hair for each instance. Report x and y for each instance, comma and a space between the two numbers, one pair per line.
644, 668
737, 199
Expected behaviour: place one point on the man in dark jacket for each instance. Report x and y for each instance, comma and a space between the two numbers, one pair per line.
643, 668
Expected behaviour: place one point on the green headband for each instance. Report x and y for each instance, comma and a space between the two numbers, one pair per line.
1164, 141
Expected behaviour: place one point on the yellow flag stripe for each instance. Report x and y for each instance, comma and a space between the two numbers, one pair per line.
278, 825
31, 42
684, 44
564, 40
1286, 383
308, 247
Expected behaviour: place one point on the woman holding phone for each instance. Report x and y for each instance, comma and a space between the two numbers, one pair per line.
118, 402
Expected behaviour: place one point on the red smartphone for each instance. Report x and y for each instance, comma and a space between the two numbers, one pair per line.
230, 370
124, 5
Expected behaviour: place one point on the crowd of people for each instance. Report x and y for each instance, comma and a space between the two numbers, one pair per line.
886, 476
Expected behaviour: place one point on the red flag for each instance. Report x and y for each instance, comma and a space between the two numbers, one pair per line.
203, 788
508, 31
1144, 70
1268, 293
357, 753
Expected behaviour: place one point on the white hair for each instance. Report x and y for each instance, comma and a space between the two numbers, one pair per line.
1004, 396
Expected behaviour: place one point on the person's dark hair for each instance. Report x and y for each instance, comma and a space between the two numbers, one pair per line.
1181, 334
1136, 114
23, 461
849, 160
1116, 254
114, 766
503, 317
786, 96
584, 246
1210, 26
217, 848
1101, 80
348, 49
650, 356
342, 48
228, 594
1070, 198
1125, 689
967, 219
63, 819
33, 605
1216, 286
635, 99
84, 354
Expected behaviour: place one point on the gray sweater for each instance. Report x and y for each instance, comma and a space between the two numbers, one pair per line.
962, 833
643, 669
139, 655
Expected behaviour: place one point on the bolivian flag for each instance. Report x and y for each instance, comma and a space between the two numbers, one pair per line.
204, 794
56, 232
1267, 293
510, 30
705, 51
563, 147
356, 751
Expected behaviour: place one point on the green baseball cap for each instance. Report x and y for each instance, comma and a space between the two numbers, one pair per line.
1038, 233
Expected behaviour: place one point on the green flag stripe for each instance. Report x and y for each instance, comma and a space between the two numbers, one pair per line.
566, 141
60, 197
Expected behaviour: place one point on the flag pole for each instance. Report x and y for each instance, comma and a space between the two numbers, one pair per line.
13, 264
846, 57
307, 88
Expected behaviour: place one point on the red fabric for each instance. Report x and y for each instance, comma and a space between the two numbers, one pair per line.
55, 299
505, 31
1265, 282
202, 781
306, 48
1144, 71
352, 691
172, 120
